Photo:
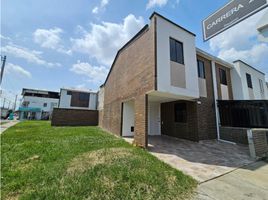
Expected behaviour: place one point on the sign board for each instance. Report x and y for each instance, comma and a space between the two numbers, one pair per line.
232, 13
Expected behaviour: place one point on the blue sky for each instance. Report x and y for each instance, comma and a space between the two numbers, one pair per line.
64, 43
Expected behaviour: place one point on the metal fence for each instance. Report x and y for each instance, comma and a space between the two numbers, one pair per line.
244, 113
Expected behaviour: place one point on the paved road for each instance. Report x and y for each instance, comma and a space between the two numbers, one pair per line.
250, 182
7, 125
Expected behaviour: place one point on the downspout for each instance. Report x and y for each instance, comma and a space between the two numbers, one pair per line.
215, 89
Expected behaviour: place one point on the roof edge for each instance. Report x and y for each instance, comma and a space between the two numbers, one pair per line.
215, 58
122, 48
159, 15
249, 66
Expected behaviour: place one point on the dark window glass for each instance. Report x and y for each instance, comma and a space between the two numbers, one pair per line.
261, 86
180, 112
69, 92
80, 99
249, 82
223, 79
176, 51
201, 69
45, 104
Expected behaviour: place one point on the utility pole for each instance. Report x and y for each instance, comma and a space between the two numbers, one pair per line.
15, 102
3, 59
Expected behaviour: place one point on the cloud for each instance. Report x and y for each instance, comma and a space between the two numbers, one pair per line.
154, 3
96, 74
102, 6
5, 38
29, 55
51, 39
105, 39
18, 70
240, 42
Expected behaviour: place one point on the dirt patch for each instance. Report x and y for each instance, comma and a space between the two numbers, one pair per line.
88, 160
27, 164
12, 196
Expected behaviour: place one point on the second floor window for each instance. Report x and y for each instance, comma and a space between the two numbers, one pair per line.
176, 51
223, 79
249, 82
201, 69
261, 86
45, 104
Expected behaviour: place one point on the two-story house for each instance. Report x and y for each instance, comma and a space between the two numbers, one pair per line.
161, 84
249, 83
37, 104
78, 99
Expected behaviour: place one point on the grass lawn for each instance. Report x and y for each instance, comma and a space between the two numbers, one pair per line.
43, 162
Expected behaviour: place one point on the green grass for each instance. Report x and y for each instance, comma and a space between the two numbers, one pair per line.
43, 162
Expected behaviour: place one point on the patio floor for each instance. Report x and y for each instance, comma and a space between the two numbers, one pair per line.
204, 160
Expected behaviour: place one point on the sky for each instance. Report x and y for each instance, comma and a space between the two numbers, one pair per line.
65, 43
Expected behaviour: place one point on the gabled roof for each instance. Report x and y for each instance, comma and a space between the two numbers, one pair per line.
157, 14
249, 66
145, 28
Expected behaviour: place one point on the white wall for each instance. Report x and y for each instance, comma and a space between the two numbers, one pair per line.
128, 118
154, 126
101, 98
38, 102
65, 101
239, 82
165, 30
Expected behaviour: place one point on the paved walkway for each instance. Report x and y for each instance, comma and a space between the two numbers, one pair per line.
246, 183
7, 125
204, 160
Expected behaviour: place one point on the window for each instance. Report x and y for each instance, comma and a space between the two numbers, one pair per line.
69, 92
223, 79
261, 86
249, 82
45, 105
180, 112
80, 99
176, 51
201, 69
25, 103
83, 96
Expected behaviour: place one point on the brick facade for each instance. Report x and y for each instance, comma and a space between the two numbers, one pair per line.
74, 117
132, 75
206, 116
236, 135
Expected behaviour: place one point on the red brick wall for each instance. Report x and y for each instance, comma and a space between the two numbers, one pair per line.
74, 117
132, 76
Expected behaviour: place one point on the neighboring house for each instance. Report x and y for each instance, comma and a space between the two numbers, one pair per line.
37, 104
262, 28
248, 82
78, 99
160, 83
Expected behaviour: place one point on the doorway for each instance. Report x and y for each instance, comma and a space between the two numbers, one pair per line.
128, 119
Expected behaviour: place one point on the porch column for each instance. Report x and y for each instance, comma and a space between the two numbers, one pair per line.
141, 121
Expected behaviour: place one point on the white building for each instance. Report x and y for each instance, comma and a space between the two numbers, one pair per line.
262, 28
248, 82
78, 99
38, 104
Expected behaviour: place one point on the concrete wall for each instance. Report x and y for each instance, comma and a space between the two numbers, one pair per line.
240, 87
186, 72
74, 117
65, 101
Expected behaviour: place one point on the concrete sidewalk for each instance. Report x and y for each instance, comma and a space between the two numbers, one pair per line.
7, 125
249, 182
